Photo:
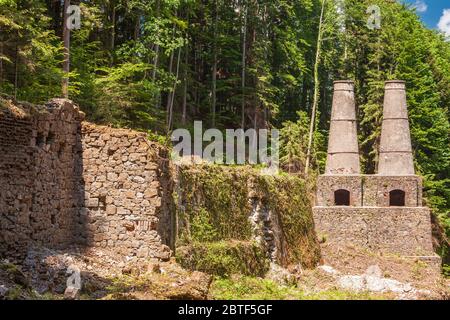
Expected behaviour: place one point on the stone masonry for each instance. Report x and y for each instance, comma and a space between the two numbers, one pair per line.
39, 165
381, 212
68, 182
126, 193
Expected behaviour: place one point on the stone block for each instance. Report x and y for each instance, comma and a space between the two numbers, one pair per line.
111, 176
92, 203
110, 210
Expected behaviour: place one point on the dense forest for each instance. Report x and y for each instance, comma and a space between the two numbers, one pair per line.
157, 65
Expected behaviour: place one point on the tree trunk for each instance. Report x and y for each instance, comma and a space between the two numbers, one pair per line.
185, 80
316, 89
113, 29
155, 62
174, 89
66, 62
169, 94
16, 67
214, 71
137, 28
1, 63
244, 48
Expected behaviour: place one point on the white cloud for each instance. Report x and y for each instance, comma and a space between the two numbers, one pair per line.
420, 6
444, 22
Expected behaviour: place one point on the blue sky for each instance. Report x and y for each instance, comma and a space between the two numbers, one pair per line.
433, 13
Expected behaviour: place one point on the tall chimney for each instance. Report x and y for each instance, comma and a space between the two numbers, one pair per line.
343, 154
395, 147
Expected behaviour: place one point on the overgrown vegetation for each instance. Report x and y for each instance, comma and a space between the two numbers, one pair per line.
214, 228
215, 203
290, 197
224, 258
250, 288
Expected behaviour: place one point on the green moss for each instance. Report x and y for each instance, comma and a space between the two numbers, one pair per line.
216, 196
10, 268
202, 230
289, 197
15, 293
446, 271
224, 258
216, 207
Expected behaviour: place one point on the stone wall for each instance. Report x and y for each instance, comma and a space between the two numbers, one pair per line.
369, 221
328, 184
65, 182
377, 188
126, 193
369, 190
400, 230
39, 169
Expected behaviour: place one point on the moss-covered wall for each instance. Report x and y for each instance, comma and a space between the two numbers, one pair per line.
288, 198
228, 204
215, 202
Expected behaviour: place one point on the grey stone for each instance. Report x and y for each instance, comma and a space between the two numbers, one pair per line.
72, 293
374, 270
395, 145
328, 269
3, 291
353, 283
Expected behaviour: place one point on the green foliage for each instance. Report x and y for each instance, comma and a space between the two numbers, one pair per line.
202, 230
294, 145
446, 270
30, 53
224, 258
250, 288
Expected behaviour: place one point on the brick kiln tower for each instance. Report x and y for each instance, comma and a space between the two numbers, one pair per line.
381, 212
395, 147
343, 154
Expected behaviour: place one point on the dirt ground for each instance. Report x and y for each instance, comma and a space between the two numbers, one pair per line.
43, 275
425, 277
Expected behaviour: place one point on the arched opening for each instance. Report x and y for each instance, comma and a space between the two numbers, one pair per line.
342, 197
397, 198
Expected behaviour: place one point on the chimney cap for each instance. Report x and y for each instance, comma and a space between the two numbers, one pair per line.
344, 85
395, 85
396, 81
344, 81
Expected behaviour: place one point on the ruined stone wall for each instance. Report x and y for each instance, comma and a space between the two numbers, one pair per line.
66, 182
39, 169
126, 193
